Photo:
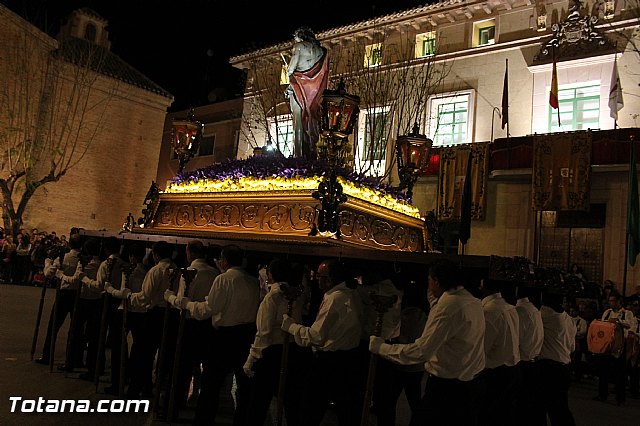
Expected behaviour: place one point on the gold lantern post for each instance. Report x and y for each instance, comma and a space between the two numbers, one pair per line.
413, 152
339, 114
185, 138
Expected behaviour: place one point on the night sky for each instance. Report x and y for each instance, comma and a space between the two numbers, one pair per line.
159, 37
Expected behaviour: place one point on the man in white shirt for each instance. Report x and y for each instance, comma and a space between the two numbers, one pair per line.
193, 350
501, 344
531, 334
151, 297
451, 348
232, 305
555, 356
263, 364
334, 337
63, 268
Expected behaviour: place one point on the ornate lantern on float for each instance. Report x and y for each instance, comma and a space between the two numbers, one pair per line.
413, 152
339, 114
185, 138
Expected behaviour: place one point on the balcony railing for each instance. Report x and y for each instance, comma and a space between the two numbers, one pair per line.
608, 147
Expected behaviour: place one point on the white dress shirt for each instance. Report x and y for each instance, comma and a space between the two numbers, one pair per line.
452, 343
233, 299
269, 319
337, 326
559, 335
531, 331
201, 283
155, 283
94, 281
66, 271
91, 271
134, 283
501, 337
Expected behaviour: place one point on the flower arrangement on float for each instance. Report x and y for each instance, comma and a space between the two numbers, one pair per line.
279, 173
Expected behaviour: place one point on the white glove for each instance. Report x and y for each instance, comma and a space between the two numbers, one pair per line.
109, 288
287, 322
181, 302
375, 343
79, 275
121, 294
170, 297
247, 367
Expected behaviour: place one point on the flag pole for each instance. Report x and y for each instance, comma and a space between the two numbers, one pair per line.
630, 194
506, 78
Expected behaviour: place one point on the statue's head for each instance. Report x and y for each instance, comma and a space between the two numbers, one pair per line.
305, 34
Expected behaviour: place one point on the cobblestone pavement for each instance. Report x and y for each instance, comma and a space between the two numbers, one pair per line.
22, 378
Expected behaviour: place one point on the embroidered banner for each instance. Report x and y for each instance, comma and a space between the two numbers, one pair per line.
561, 175
453, 166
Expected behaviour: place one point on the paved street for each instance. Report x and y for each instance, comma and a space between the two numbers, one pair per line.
21, 377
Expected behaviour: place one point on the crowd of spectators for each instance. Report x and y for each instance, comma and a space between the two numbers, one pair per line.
22, 258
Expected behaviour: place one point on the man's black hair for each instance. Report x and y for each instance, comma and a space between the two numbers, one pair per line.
162, 249
232, 254
280, 270
445, 272
197, 249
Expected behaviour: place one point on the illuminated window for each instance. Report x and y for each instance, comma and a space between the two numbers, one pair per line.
579, 109
373, 55
284, 78
373, 130
281, 131
484, 33
425, 44
451, 118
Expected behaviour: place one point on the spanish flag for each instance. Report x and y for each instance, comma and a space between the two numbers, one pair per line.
553, 96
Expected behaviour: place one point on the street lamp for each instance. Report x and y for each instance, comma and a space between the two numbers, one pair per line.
185, 138
339, 113
413, 151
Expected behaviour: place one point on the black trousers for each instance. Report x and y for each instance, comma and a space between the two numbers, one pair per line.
86, 333
528, 401
66, 300
391, 380
499, 402
450, 402
139, 373
228, 352
555, 379
611, 370
334, 377
266, 381
192, 354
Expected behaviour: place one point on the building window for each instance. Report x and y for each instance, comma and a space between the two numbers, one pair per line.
451, 118
373, 55
373, 131
90, 32
579, 109
426, 44
484, 33
284, 78
206, 145
281, 132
